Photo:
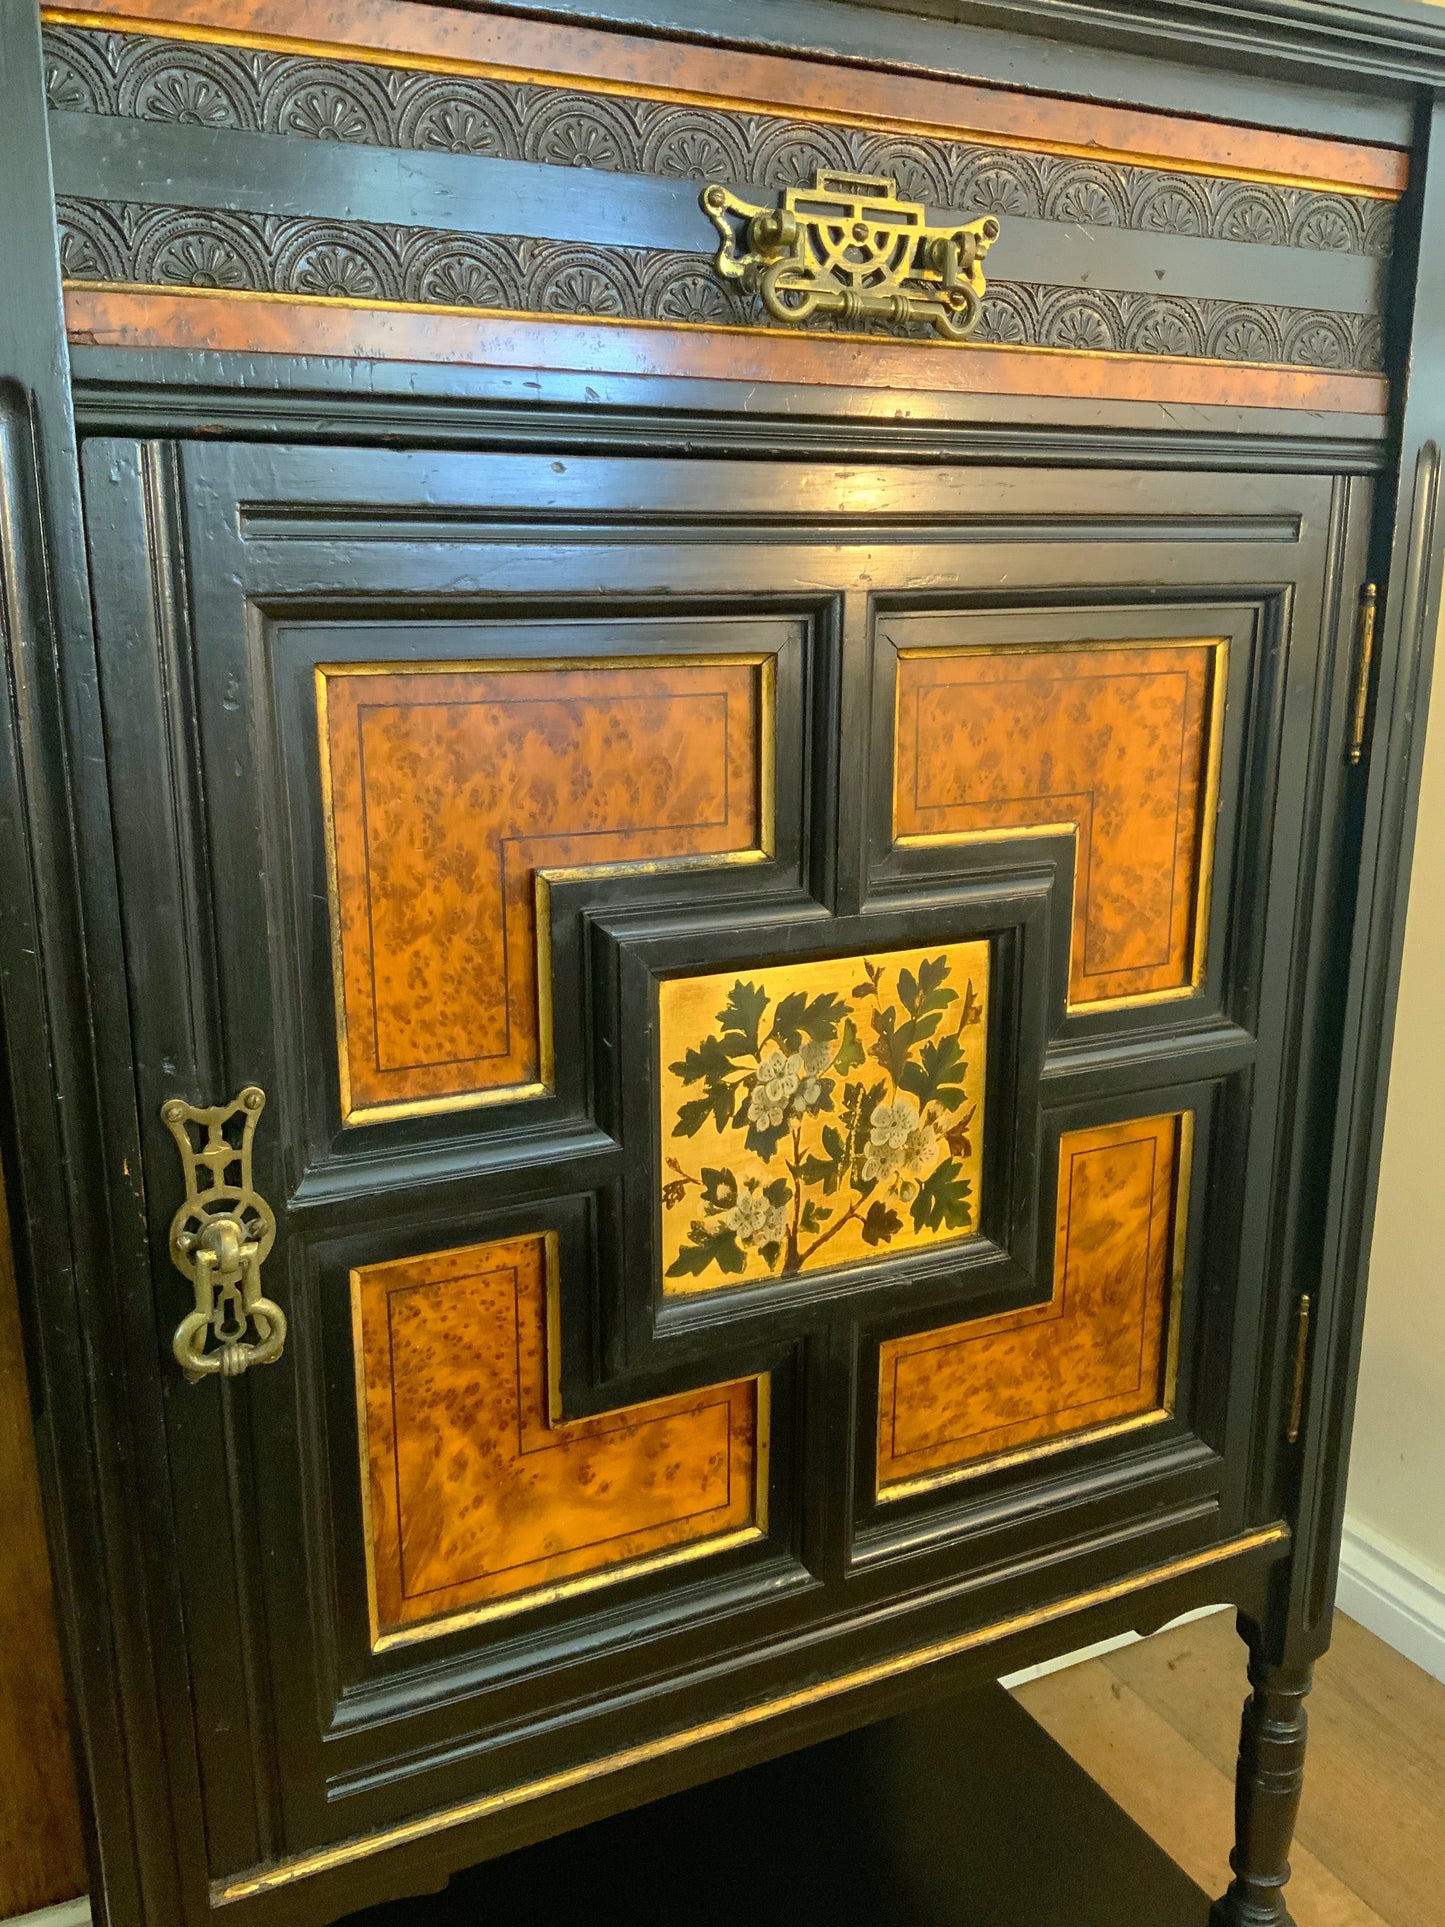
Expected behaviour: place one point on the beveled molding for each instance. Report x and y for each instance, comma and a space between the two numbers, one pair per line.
231, 321
607, 60
148, 78
108, 244
231, 81
303, 1866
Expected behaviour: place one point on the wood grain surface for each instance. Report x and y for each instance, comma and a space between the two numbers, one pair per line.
1092, 1356
478, 1490
450, 789
1115, 742
316, 325
42, 1857
1157, 1724
452, 39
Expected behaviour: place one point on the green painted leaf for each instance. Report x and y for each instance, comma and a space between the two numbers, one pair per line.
933, 974
820, 1021
709, 1060
779, 1192
833, 1143
933, 997
881, 1224
890, 1045
788, 1020
923, 1025
849, 1054
719, 1189
943, 1200
765, 1143
716, 1246
815, 1216
692, 1116
908, 991
817, 1170
742, 1015
938, 1073
771, 1253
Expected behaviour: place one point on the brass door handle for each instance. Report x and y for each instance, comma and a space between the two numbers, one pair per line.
221, 1235
849, 247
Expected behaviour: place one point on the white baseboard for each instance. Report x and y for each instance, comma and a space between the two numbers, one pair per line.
1394, 1595
70, 1913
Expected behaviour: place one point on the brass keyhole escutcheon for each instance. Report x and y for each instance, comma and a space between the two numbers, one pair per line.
221, 1235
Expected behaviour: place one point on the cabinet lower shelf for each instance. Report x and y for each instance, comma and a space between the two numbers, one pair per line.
963, 1815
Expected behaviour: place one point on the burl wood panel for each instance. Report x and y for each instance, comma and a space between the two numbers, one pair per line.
478, 1493
448, 790
1117, 742
1093, 1356
293, 325
42, 1858
404, 32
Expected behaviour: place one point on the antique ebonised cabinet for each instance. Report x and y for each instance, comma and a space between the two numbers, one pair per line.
711, 728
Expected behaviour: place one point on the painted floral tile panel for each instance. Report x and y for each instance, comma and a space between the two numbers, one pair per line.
821, 1113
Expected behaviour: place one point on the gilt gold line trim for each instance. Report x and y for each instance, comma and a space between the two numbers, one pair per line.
1183, 1200
563, 1589
1209, 803
1025, 1455
1209, 807
363, 1448
545, 1083
963, 127
333, 903
424, 1826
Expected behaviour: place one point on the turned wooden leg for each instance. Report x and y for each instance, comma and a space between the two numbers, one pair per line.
1267, 1795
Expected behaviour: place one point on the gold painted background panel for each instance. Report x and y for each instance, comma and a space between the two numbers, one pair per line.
478, 1491
1095, 1355
1120, 742
448, 788
819, 1113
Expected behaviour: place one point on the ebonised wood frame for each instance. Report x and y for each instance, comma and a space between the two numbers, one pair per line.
69, 1086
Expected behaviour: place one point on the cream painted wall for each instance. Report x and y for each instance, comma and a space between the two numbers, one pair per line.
1397, 1482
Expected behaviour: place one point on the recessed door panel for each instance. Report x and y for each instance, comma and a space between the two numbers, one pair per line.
448, 790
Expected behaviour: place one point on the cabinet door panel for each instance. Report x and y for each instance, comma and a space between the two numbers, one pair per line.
775, 994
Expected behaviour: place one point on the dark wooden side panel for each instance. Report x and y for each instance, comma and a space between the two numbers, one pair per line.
42, 1859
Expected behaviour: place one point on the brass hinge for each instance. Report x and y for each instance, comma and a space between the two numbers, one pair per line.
1364, 659
1301, 1357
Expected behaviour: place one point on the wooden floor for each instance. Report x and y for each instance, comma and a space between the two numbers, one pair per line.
1157, 1725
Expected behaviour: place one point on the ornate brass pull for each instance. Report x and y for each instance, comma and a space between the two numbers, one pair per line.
221, 1235
848, 246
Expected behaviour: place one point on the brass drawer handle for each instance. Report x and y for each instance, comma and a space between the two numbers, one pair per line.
848, 246
221, 1235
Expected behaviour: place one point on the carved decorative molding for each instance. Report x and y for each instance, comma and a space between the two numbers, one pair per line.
109, 242
140, 77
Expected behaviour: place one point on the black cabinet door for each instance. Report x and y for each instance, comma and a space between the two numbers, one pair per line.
785, 1013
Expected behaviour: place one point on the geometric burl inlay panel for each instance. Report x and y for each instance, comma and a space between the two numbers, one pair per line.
448, 788
480, 1495
815, 1114
1118, 743
1094, 1358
